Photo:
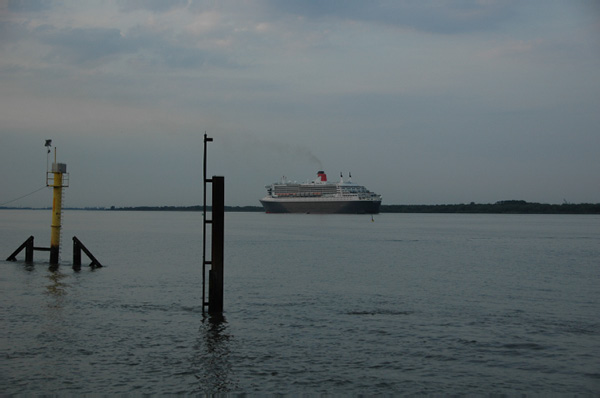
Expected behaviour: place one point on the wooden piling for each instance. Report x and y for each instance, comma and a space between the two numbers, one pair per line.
76, 254
28, 246
29, 250
78, 246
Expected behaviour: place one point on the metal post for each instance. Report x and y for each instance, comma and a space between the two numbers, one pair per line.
215, 293
204, 222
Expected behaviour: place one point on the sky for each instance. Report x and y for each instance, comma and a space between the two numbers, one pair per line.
424, 102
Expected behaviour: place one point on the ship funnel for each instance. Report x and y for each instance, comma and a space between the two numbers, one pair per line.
321, 174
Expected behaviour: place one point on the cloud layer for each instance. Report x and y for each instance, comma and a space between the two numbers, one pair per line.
424, 102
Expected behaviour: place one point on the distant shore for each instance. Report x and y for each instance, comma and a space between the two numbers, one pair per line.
501, 207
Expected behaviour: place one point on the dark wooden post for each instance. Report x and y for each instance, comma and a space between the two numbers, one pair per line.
215, 286
29, 250
76, 254
78, 246
28, 246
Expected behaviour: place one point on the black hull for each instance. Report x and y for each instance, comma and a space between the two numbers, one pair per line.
323, 207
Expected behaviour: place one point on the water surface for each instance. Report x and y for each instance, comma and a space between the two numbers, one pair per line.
407, 303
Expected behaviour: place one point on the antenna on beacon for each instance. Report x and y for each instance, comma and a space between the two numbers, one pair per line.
48, 145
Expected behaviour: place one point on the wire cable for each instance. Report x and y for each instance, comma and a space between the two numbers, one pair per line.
24, 196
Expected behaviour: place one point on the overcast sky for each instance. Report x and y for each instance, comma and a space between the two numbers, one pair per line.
422, 101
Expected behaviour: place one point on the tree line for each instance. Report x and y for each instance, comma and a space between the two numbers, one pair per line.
501, 207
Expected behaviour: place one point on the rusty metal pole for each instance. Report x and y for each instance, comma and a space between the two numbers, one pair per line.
207, 139
215, 287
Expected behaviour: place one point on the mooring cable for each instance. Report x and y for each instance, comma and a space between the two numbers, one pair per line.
24, 196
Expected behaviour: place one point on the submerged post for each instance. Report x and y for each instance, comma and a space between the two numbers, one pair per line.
215, 288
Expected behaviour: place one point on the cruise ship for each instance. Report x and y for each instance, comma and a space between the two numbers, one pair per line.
320, 196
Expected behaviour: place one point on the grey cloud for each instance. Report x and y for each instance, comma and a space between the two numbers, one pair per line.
28, 5
91, 46
431, 16
177, 52
84, 45
5, 32
156, 6
178, 57
11, 32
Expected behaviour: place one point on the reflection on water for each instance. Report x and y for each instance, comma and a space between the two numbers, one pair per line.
56, 290
212, 363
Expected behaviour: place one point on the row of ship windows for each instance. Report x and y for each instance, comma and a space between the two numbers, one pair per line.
300, 194
292, 190
354, 190
344, 192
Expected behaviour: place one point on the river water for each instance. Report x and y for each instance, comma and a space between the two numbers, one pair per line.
437, 304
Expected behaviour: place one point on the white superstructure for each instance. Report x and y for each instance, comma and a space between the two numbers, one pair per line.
320, 196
